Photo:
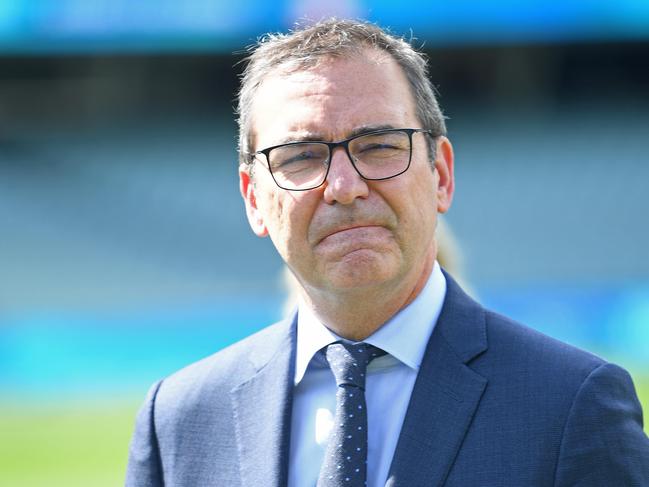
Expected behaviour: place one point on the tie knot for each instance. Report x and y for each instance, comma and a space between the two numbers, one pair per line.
348, 362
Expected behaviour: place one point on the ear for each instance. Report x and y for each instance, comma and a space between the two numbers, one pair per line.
444, 166
247, 189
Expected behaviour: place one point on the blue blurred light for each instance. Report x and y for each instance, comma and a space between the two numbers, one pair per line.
213, 25
55, 357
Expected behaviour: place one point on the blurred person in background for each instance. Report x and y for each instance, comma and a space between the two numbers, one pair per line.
387, 373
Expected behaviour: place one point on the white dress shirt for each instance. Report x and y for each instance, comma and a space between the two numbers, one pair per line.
389, 383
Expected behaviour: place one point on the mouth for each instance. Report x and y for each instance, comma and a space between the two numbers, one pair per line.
349, 228
351, 232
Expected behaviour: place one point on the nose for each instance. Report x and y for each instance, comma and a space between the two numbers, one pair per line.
343, 184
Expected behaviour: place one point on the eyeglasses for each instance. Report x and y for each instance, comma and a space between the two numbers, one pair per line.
376, 155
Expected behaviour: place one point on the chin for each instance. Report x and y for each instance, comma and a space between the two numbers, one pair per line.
360, 269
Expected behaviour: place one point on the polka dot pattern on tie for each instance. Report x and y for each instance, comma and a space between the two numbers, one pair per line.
345, 459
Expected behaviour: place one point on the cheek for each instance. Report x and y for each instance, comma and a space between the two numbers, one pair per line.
268, 200
426, 189
283, 216
423, 203
277, 205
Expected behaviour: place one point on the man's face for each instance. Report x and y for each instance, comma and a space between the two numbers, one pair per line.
349, 233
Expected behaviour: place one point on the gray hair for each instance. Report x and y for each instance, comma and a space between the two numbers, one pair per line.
304, 47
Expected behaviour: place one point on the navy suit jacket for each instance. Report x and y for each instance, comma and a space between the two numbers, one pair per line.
495, 404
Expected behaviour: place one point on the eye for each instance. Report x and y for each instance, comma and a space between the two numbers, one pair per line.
376, 146
302, 156
298, 157
381, 145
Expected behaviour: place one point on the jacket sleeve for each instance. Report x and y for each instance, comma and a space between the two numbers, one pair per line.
603, 443
144, 466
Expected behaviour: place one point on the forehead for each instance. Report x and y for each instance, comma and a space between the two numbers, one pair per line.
332, 99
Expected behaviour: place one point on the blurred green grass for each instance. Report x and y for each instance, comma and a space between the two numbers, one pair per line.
82, 445
71, 445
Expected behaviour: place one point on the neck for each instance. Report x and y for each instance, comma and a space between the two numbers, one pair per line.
356, 314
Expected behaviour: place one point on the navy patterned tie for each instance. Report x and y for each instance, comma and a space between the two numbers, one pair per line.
345, 461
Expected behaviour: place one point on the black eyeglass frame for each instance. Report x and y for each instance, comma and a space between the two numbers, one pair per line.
344, 144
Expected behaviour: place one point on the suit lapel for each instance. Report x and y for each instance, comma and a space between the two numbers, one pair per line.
445, 396
262, 413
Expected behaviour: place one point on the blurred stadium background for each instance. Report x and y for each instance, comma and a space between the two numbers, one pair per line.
124, 251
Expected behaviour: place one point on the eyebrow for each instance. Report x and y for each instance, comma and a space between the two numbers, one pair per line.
316, 137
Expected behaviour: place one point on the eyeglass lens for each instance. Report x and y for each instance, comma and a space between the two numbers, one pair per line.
375, 156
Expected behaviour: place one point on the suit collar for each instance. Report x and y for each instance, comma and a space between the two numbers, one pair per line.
445, 396
262, 410
462, 322
404, 336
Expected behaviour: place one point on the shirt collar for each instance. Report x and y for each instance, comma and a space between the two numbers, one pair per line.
405, 336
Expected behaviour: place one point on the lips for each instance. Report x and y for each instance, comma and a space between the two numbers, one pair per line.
361, 220
347, 231
354, 229
353, 238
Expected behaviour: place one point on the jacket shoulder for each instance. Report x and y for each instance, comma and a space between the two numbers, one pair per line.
516, 343
211, 378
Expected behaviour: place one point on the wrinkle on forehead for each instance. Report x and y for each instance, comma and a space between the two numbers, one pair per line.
318, 136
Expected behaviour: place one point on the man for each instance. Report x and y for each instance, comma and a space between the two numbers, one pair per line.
388, 374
